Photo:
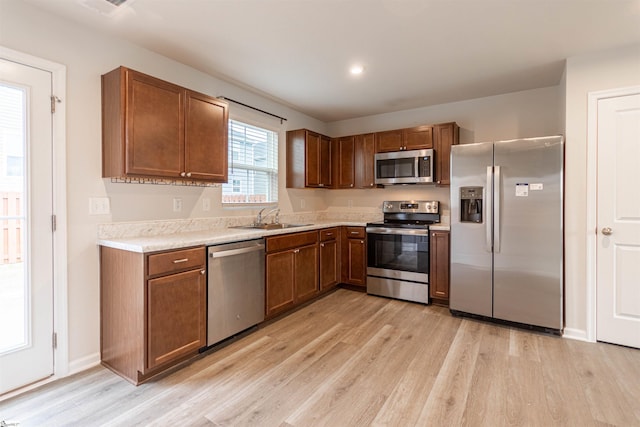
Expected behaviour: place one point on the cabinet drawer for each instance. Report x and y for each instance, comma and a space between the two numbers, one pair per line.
355, 232
294, 240
169, 262
328, 234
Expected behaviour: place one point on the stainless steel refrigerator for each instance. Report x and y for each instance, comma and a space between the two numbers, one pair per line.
507, 231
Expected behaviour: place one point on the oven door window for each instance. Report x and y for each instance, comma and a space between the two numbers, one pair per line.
398, 252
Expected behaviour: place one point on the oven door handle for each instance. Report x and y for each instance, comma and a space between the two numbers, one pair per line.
405, 231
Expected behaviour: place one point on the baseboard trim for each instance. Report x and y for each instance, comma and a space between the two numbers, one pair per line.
84, 363
576, 334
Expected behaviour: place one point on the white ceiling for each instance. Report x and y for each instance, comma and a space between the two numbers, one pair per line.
415, 52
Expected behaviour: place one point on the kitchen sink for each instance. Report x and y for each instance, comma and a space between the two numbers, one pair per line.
278, 226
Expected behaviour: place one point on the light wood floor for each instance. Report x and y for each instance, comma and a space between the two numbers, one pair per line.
355, 360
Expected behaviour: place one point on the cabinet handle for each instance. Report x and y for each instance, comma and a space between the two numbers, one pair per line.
183, 174
355, 232
329, 234
178, 261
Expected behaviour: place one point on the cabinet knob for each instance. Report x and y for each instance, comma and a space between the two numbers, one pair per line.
183, 174
295, 251
188, 174
322, 245
362, 241
203, 272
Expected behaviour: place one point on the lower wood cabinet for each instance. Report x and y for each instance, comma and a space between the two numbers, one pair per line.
329, 258
439, 266
354, 256
176, 307
153, 310
291, 271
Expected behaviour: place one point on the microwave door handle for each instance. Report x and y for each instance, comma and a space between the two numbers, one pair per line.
497, 192
488, 193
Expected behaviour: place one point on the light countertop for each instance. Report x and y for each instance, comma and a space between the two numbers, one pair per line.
215, 236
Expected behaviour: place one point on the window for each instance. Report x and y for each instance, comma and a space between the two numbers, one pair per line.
253, 165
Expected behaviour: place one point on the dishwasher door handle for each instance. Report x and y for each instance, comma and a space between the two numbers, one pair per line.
232, 252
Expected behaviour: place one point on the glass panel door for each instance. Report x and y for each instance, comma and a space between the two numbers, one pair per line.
26, 235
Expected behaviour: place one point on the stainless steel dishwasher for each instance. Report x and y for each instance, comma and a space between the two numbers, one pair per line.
235, 288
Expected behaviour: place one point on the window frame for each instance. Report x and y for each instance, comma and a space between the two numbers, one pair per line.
279, 131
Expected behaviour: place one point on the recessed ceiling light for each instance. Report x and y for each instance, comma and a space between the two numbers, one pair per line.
356, 69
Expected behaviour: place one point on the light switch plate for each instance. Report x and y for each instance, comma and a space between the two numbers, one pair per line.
177, 205
99, 206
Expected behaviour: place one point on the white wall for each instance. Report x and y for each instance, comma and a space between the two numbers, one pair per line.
87, 55
523, 114
605, 70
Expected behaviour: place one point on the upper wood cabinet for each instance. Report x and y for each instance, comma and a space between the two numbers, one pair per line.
444, 136
416, 138
365, 146
309, 159
153, 128
344, 162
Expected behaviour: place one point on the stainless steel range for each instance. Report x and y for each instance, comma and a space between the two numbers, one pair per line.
398, 250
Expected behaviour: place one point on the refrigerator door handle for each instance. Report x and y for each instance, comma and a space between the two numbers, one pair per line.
497, 185
487, 210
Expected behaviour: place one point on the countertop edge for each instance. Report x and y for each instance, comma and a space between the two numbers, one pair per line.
209, 237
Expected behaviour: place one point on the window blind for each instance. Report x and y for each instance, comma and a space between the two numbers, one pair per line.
253, 165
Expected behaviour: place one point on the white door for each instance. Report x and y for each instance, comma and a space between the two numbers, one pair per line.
26, 241
618, 221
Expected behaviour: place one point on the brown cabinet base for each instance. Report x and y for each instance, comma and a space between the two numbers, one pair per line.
153, 312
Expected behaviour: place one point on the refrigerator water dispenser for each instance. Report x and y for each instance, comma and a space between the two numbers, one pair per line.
471, 204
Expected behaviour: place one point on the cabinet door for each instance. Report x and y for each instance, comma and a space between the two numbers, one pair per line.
154, 127
418, 138
346, 162
390, 140
312, 159
445, 135
325, 161
356, 258
176, 316
439, 265
306, 272
365, 146
206, 135
280, 281
329, 265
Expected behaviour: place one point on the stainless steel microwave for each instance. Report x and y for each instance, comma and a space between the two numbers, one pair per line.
404, 167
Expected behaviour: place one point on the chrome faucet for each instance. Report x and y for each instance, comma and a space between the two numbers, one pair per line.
261, 217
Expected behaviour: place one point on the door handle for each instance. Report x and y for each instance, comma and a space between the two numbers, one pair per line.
488, 238
607, 231
497, 189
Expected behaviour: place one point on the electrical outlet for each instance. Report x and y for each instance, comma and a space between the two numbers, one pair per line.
177, 205
99, 206
206, 204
